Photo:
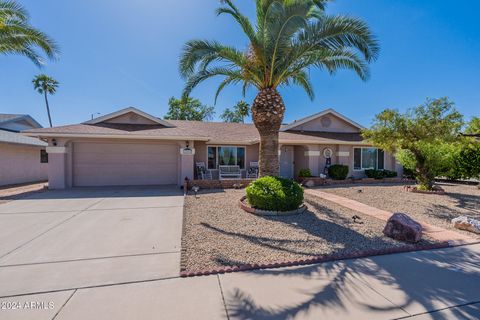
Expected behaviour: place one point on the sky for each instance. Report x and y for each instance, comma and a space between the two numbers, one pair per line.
120, 53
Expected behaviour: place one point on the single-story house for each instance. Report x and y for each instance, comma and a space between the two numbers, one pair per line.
131, 147
22, 159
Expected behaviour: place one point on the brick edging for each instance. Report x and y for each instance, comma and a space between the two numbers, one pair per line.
183, 241
314, 260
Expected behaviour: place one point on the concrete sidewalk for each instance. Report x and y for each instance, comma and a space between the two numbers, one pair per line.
437, 284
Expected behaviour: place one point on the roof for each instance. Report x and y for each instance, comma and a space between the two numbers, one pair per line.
301, 121
210, 132
8, 117
17, 138
125, 111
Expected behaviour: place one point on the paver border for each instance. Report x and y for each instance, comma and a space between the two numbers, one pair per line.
316, 259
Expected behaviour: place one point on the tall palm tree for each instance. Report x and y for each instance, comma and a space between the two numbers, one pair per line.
45, 85
287, 39
17, 36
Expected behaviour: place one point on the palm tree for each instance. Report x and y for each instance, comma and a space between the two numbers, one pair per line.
45, 85
287, 39
17, 36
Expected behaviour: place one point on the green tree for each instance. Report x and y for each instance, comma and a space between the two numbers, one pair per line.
238, 114
45, 85
286, 40
188, 108
473, 127
418, 136
17, 36
467, 162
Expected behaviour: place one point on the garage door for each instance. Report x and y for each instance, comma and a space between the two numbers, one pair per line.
123, 164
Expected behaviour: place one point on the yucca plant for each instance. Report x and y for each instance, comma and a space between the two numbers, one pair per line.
17, 36
287, 39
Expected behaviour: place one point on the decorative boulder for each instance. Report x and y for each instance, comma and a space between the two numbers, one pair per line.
466, 223
309, 184
402, 227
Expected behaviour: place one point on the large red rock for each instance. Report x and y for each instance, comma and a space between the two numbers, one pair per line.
402, 227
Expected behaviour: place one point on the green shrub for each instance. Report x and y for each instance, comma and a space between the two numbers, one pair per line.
380, 174
275, 194
338, 171
304, 173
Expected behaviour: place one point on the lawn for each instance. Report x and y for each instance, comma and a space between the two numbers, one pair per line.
218, 233
435, 209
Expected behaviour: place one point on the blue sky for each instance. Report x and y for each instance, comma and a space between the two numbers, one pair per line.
118, 53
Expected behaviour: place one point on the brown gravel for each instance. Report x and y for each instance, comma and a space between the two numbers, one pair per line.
435, 209
218, 233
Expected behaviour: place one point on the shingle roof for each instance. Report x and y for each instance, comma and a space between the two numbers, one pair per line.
214, 132
16, 138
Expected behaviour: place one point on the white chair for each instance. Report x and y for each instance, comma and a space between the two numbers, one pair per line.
252, 172
202, 172
229, 172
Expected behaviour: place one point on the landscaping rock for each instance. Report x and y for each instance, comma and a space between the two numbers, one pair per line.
309, 183
466, 223
402, 227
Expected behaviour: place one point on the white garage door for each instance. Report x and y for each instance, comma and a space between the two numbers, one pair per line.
124, 164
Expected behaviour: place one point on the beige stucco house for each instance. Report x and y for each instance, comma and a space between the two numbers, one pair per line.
22, 159
131, 147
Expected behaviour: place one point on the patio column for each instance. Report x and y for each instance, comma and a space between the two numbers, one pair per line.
312, 154
57, 156
187, 153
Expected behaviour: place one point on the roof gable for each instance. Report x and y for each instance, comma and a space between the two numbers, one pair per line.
130, 115
328, 120
24, 121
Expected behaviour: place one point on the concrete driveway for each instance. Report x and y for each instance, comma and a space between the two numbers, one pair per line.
59, 240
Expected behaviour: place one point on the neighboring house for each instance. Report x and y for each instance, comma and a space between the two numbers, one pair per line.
22, 159
131, 147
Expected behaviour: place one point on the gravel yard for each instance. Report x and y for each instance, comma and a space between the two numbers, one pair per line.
434, 209
9, 193
218, 233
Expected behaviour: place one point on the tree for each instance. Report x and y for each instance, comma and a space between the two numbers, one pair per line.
188, 108
419, 137
17, 36
45, 85
473, 127
238, 114
287, 39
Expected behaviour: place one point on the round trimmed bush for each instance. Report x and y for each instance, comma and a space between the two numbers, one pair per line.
338, 172
274, 194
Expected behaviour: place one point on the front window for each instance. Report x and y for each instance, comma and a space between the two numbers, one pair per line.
224, 155
368, 158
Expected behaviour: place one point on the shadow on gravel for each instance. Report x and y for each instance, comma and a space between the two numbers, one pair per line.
428, 280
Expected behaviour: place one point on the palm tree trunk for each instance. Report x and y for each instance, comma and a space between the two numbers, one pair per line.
267, 111
48, 109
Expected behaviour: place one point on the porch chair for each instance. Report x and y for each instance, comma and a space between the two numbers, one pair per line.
252, 172
202, 172
229, 172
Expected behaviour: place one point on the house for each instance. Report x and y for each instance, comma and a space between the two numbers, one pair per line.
131, 147
22, 159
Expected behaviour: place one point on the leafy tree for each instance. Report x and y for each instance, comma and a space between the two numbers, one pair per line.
418, 136
473, 127
467, 162
286, 40
17, 36
238, 114
188, 108
45, 85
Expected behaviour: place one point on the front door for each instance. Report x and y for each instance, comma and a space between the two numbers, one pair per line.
286, 162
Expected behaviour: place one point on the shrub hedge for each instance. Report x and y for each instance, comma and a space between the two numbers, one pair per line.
304, 173
275, 194
338, 171
380, 174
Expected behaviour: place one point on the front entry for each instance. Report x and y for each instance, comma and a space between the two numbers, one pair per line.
286, 162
